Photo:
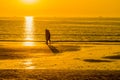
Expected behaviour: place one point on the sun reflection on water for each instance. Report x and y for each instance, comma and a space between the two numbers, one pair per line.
29, 27
28, 63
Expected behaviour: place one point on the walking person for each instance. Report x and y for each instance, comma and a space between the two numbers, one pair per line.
47, 36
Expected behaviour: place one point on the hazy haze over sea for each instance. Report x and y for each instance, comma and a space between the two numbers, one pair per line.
62, 29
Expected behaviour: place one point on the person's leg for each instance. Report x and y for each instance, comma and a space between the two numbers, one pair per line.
47, 42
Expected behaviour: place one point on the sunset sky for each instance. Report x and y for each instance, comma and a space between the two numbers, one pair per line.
60, 8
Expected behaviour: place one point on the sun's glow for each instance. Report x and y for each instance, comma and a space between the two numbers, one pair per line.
29, 1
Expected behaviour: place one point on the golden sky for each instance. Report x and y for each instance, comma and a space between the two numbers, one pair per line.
60, 8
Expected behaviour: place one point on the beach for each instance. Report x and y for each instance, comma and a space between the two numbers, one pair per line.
60, 60
81, 48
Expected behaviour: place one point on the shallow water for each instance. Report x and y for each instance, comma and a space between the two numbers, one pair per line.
62, 29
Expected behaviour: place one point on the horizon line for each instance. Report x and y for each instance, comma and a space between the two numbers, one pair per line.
62, 16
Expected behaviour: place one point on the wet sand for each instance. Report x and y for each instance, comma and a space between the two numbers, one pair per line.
59, 75
60, 61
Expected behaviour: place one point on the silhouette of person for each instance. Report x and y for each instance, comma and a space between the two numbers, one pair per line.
47, 35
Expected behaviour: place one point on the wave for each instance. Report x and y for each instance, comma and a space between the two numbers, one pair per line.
60, 41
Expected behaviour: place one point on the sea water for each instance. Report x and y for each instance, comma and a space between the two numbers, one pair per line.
61, 29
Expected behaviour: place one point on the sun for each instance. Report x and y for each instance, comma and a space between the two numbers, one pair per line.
29, 1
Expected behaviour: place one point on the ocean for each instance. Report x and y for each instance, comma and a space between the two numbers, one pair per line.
17, 29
